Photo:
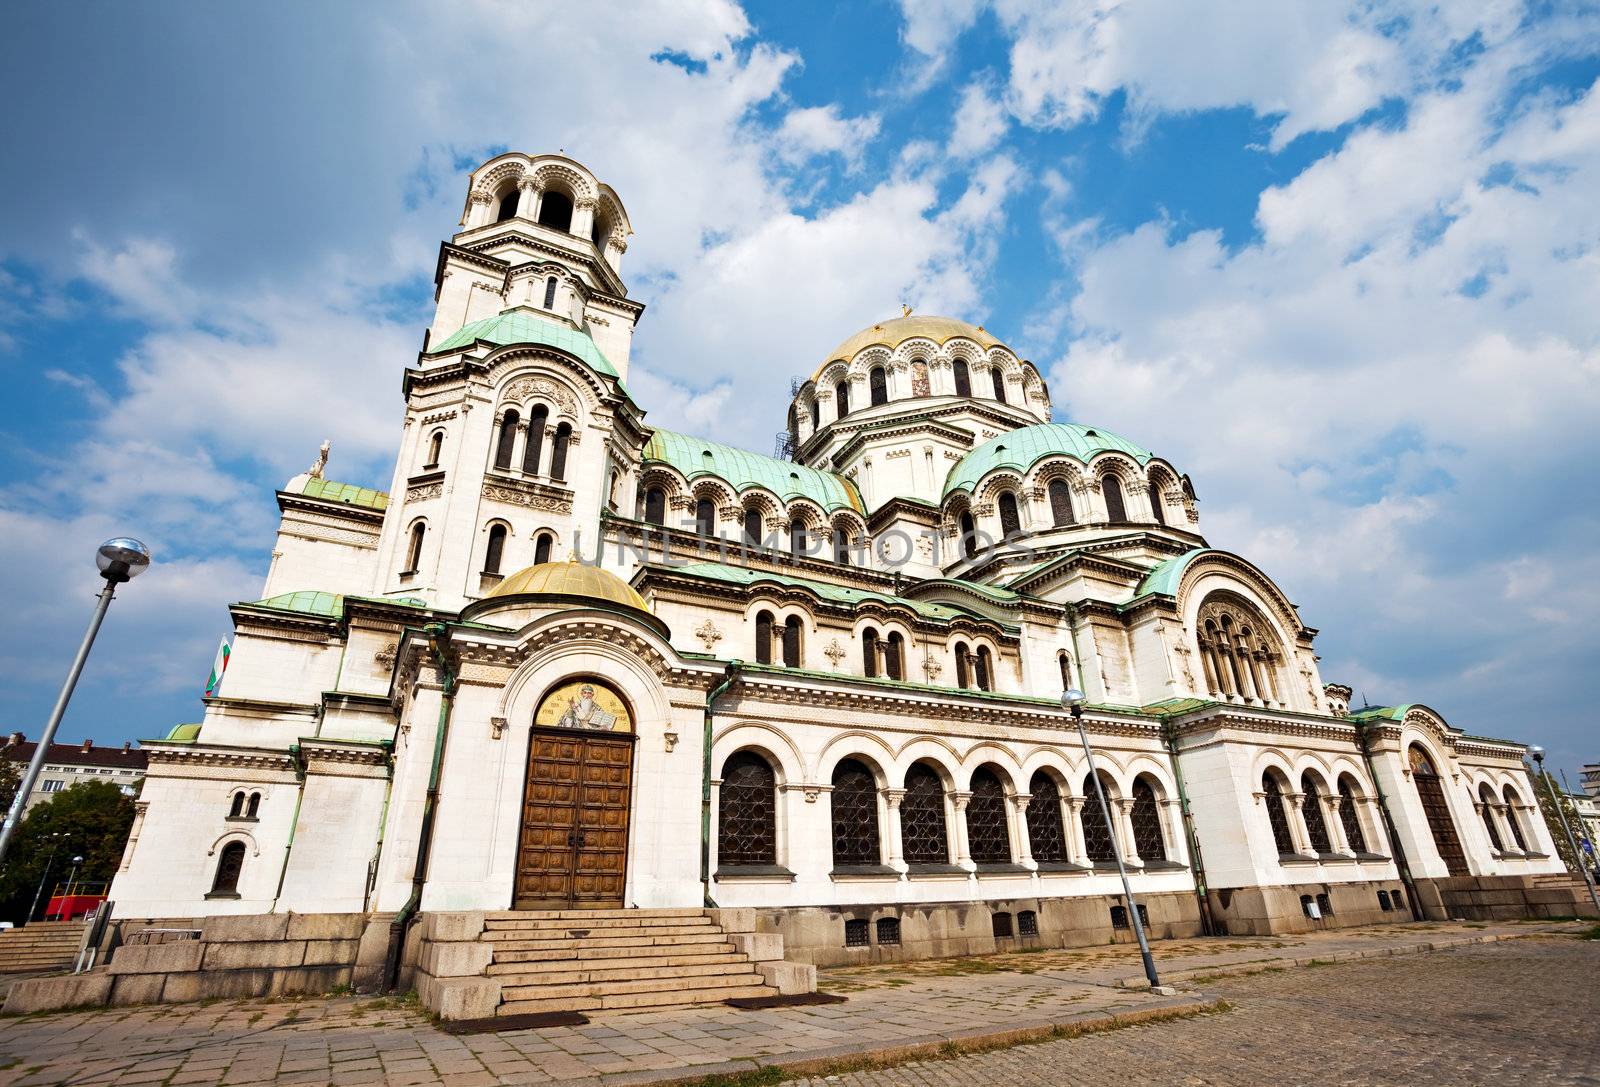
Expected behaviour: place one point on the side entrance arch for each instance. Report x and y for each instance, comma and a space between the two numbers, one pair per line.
573, 848
1430, 790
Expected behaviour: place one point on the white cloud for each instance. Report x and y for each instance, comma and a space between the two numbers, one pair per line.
980, 122
822, 130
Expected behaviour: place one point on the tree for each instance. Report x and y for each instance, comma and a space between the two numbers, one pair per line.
1545, 784
10, 779
92, 820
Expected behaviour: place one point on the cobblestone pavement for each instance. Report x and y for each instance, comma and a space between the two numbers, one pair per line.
1521, 1011
352, 1040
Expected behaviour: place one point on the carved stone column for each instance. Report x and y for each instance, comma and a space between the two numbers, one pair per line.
1331, 805
1177, 841
1019, 819
958, 801
1077, 850
528, 200
891, 800
1122, 814
1297, 822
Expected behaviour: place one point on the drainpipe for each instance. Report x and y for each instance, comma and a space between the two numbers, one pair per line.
1388, 825
383, 821
705, 781
408, 913
294, 822
1208, 925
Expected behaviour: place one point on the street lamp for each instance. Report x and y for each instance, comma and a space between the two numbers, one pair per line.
1072, 701
55, 844
1577, 857
121, 559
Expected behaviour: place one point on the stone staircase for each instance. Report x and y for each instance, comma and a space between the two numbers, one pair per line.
40, 947
535, 961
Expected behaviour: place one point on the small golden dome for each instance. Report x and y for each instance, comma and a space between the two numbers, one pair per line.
571, 579
894, 332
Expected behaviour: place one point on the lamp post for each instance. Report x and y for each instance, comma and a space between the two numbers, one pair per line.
55, 844
1588, 881
1072, 701
121, 559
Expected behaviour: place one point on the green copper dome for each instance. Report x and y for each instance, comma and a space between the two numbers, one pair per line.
742, 470
1022, 449
521, 324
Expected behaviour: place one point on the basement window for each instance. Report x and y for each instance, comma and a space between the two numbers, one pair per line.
855, 933
1001, 923
888, 930
1027, 923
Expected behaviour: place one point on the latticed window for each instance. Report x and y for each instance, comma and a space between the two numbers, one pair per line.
1111, 487
869, 652
1311, 809
922, 831
508, 439
986, 820
985, 669
1277, 813
1060, 502
841, 399
999, 381
1350, 817
894, 656
752, 525
747, 824
857, 933
558, 451
655, 506
791, 642
1096, 831
1045, 833
1000, 924
1486, 802
1027, 923
1146, 820
855, 815
705, 517
878, 382
1512, 819
1010, 519
797, 538
969, 535
764, 637
888, 930
1431, 792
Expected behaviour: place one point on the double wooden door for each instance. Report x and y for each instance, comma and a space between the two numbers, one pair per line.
574, 845
1431, 791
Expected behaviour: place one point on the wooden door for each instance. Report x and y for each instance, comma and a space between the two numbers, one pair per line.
1431, 791
574, 844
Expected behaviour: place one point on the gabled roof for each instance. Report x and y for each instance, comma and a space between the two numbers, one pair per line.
524, 324
742, 470
1020, 449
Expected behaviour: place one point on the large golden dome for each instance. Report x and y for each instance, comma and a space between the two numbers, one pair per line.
893, 333
571, 579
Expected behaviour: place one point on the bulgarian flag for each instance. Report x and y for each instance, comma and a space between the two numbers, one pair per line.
218, 667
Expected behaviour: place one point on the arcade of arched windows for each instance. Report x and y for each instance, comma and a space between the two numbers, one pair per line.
533, 441
1239, 653
1059, 491
1309, 817
1505, 818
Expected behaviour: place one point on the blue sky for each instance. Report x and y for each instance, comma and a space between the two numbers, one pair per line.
1338, 262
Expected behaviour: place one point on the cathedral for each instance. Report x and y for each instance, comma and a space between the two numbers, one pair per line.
571, 661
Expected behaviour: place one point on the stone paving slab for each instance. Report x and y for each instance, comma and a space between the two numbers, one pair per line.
904, 1009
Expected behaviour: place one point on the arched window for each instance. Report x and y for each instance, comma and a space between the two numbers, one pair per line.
747, 816
841, 545
1157, 503
1431, 792
1311, 811
495, 549
988, 840
878, 382
230, 863
985, 669
508, 439
963, 378
1097, 843
791, 642
1064, 662
1111, 487
752, 525
414, 548
841, 399
869, 652
969, 535
236, 810
1060, 502
1277, 813
550, 293
1010, 518
1513, 820
922, 834
435, 449
1486, 803
797, 537
555, 211
764, 637
508, 206
655, 506
1046, 835
705, 517
1145, 815
855, 815
816, 413
1238, 654
558, 451
1349, 816
253, 808
999, 380
541, 547
963, 673
893, 661
538, 417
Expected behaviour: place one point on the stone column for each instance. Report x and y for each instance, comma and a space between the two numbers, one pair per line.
1122, 816
1077, 851
478, 211
519, 448
958, 801
891, 800
1019, 819
1508, 841
528, 199
583, 216
1297, 822
1331, 805
1177, 841
1377, 834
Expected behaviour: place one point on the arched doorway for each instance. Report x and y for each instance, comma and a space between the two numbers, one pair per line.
1431, 792
573, 849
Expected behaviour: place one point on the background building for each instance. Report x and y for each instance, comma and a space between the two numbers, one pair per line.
68, 764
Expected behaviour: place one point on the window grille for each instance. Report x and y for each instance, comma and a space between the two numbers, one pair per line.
1045, 832
1060, 502
855, 815
888, 930
1001, 923
747, 825
856, 933
1513, 821
986, 820
1027, 923
1311, 809
1383, 901
1277, 815
1146, 819
1111, 487
1096, 831
1350, 817
922, 828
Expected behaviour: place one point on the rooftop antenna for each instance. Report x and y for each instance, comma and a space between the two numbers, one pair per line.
1364, 704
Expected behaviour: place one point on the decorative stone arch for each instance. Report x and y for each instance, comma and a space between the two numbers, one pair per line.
495, 181
1151, 767
1056, 466
1272, 758
855, 529
865, 747
1067, 773
579, 184
234, 834
1001, 479
1424, 722
1340, 765
559, 646
996, 754
523, 392
1315, 763
1211, 570
765, 739
867, 358
936, 751
669, 479
717, 489
505, 365
782, 602
831, 375
1111, 462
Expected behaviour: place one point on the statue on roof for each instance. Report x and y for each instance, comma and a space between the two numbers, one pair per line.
905, 310
315, 471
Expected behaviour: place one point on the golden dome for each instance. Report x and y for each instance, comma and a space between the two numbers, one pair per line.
893, 333
571, 579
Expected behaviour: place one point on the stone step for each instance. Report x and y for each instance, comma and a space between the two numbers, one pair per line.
558, 915
579, 973
631, 1002
667, 988
541, 941
641, 952
561, 924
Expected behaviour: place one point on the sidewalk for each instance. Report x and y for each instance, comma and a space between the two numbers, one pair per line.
892, 1010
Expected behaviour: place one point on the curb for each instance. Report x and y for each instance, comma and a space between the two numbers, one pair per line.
821, 1062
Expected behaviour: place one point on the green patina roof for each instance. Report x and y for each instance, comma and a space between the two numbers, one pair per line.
522, 324
316, 602
1391, 713
1163, 579
182, 734
840, 594
1021, 449
330, 491
742, 469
